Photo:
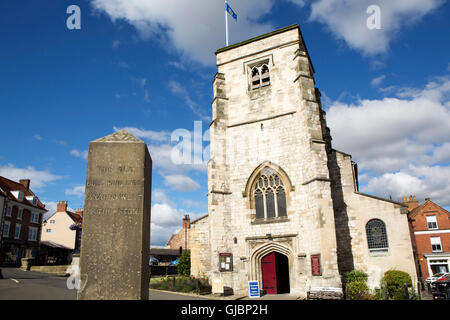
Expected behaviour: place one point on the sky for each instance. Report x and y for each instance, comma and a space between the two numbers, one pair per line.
147, 66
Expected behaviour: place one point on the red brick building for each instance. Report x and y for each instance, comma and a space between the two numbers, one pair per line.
430, 234
20, 221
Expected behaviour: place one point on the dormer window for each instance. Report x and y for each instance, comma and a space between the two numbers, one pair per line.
260, 76
18, 195
32, 199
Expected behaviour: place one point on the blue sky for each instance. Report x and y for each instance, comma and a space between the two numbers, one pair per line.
148, 66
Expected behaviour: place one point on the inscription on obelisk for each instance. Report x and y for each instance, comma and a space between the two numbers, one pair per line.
115, 244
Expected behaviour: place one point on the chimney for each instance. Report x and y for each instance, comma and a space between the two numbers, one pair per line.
25, 183
62, 206
411, 202
186, 222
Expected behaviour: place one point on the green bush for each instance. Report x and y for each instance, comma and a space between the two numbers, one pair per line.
357, 290
356, 276
394, 280
184, 264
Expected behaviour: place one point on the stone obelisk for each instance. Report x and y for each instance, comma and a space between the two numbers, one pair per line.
115, 242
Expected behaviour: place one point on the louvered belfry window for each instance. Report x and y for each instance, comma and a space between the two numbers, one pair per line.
260, 76
269, 196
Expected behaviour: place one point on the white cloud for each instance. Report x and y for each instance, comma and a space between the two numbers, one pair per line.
39, 179
347, 20
195, 29
37, 137
377, 81
79, 154
180, 90
166, 220
421, 181
77, 191
401, 143
181, 183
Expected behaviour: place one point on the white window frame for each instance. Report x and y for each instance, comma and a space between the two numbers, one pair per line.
19, 213
6, 234
19, 226
32, 231
437, 241
48, 230
430, 220
52, 221
9, 211
34, 217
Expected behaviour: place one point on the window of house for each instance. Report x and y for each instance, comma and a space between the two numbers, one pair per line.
260, 76
34, 217
432, 222
6, 228
17, 231
376, 235
269, 195
436, 244
48, 230
226, 262
9, 211
52, 221
32, 234
20, 214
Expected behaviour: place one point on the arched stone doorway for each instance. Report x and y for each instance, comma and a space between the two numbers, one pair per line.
275, 273
271, 265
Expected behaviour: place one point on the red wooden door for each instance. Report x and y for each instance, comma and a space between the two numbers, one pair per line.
269, 273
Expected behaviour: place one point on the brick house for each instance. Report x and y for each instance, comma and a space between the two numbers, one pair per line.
21, 214
430, 235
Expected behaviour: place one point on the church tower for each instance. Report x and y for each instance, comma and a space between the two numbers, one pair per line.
284, 206
270, 205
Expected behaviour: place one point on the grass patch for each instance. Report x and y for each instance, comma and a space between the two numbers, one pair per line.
181, 284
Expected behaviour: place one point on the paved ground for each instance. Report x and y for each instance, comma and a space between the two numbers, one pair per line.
29, 285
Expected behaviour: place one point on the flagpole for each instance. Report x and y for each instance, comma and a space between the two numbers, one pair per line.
226, 22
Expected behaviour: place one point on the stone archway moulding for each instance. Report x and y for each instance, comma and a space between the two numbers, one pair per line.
262, 251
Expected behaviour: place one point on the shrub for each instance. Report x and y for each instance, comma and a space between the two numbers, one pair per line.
184, 264
356, 276
395, 281
357, 290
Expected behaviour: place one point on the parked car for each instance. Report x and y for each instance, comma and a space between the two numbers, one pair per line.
442, 288
153, 261
431, 280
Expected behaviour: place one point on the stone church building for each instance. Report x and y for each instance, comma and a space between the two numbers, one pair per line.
284, 206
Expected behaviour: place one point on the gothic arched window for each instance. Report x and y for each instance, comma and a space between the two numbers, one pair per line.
269, 195
260, 76
376, 235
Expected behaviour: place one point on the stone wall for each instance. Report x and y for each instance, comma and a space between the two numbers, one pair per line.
359, 209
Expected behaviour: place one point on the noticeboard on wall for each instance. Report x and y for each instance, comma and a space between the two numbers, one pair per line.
316, 270
225, 262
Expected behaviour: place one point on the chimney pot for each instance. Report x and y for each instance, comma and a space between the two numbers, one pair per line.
61, 206
25, 183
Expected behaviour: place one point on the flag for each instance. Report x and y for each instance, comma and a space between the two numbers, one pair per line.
230, 11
